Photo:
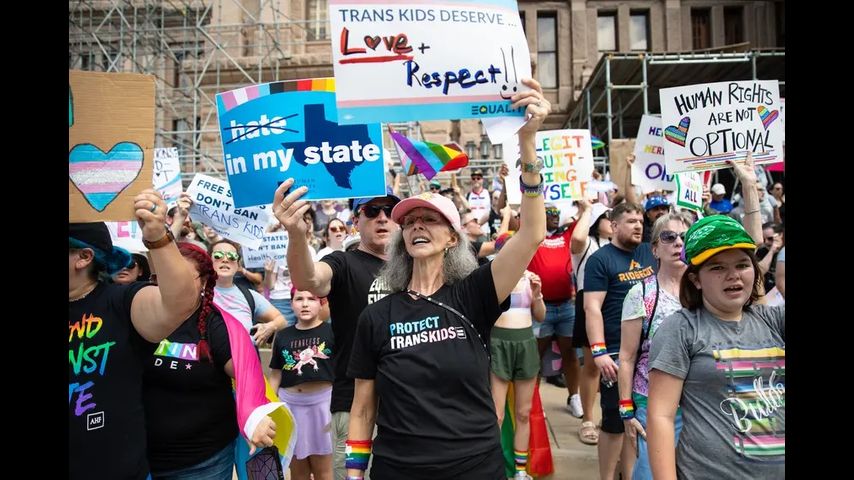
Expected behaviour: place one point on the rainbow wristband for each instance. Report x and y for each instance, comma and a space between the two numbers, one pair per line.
357, 453
627, 409
598, 349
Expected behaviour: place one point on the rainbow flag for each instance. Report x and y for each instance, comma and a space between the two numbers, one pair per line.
427, 158
539, 451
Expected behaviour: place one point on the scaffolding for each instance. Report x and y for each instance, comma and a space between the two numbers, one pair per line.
196, 49
624, 86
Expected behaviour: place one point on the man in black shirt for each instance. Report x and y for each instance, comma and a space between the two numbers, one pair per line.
347, 279
112, 329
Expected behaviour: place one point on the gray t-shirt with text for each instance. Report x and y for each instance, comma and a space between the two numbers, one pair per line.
733, 396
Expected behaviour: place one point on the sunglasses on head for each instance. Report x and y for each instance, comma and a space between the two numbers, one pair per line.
337, 229
669, 236
372, 211
219, 255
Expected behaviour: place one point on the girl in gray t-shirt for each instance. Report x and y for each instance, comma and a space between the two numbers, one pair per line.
722, 359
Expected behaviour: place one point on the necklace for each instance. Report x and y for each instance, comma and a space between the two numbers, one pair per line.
81, 297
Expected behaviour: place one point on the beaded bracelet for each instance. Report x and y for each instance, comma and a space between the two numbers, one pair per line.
532, 191
598, 349
357, 453
627, 409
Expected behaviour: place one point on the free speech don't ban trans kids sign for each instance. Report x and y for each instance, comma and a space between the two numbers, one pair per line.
274, 131
427, 59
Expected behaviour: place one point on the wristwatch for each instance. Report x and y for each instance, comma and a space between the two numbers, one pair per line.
167, 238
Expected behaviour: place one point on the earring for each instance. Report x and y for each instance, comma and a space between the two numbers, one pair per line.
446, 250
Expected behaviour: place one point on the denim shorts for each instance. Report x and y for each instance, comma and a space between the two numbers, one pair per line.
560, 319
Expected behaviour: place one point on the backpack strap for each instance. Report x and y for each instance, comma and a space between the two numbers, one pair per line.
249, 299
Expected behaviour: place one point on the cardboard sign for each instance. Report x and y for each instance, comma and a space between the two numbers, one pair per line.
689, 188
649, 170
274, 245
110, 143
212, 206
708, 124
275, 131
427, 59
167, 174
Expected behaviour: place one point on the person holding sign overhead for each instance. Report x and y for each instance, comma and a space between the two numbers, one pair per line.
421, 355
116, 328
347, 279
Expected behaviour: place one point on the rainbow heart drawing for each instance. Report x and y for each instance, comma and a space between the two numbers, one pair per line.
100, 176
767, 116
678, 134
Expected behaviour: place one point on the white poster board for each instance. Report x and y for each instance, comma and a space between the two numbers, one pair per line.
707, 125
649, 170
274, 245
213, 206
167, 174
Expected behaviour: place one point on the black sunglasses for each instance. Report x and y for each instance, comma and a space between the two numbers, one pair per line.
372, 211
669, 236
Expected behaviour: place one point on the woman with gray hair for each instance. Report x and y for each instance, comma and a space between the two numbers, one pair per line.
421, 355
646, 305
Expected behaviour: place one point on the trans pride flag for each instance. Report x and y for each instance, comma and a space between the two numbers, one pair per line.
427, 158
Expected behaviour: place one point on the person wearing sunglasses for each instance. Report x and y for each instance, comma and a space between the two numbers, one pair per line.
646, 305
112, 332
191, 415
479, 199
264, 319
608, 276
136, 271
335, 233
421, 355
346, 278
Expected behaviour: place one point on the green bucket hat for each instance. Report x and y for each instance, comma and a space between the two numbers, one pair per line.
714, 234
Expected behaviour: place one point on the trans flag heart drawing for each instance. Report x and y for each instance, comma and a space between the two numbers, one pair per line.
678, 134
767, 116
100, 176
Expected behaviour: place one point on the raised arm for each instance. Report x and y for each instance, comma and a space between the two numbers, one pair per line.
631, 194
158, 311
746, 174
306, 274
512, 260
580, 235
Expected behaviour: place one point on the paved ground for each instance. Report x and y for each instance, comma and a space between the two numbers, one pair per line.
572, 459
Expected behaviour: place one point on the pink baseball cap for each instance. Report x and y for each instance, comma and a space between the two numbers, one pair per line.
439, 203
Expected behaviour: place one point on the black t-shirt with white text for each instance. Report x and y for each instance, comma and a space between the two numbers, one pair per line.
431, 372
304, 355
106, 425
189, 405
354, 286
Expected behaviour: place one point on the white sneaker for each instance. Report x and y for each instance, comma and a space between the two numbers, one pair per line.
522, 476
574, 406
